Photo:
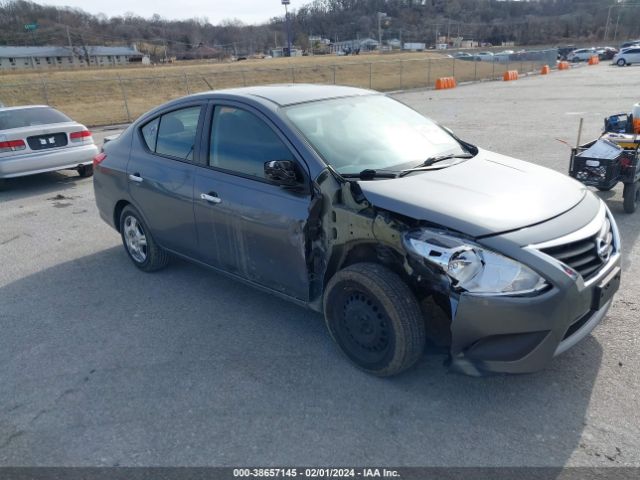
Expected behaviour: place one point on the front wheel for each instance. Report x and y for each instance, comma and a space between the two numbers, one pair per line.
631, 196
621, 62
138, 242
374, 318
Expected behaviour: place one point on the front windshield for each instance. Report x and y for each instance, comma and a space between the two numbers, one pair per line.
370, 132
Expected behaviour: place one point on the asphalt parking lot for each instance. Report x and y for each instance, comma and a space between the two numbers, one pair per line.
101, 364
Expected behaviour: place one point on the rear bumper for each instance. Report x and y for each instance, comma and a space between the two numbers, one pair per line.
522, 335
39, 162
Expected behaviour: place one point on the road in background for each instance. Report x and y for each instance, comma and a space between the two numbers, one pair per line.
102, 364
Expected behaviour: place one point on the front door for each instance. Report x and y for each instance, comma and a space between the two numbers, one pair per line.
247, 225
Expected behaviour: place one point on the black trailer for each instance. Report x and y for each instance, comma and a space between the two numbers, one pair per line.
605, 171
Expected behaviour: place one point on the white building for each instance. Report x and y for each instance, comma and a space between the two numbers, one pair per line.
14, 58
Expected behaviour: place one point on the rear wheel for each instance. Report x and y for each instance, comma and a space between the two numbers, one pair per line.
85, 170
621, 62
138, 242
631, 196
605, 189
374, 318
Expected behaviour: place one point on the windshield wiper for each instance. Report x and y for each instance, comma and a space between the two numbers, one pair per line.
370, 174
429, 162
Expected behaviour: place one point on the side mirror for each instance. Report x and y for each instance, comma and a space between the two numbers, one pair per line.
282, 172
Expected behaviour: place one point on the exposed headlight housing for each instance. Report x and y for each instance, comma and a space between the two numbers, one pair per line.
471, 267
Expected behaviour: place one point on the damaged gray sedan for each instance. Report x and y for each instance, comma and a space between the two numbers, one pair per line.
352, 204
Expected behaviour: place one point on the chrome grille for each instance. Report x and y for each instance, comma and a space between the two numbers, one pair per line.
586, 256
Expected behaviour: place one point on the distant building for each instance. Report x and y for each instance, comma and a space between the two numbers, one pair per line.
353, 46
394, 43
280, 52
13, 58
414, 46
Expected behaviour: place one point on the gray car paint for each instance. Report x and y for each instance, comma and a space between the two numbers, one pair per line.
341, 221
486, 195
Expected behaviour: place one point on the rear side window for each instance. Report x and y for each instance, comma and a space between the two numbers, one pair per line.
174, 133
30, 117
241, 142
150, 133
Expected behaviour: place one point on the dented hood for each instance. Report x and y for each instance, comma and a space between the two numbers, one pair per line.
485, 195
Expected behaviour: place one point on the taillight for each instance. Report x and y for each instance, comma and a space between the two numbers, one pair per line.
74, 136
12, 146
97, 160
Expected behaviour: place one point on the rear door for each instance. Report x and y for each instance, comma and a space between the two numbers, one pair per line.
247, 225
161, 172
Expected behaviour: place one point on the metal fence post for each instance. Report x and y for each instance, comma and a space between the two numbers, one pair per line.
401, 72
453, 68
475, 71
334, 74
293, 75
370, 72
493, 70
124, 97
45, 90
186, 81
244, 78
428, 72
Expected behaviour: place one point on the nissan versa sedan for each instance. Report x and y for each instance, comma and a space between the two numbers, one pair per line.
36, 139
353, 204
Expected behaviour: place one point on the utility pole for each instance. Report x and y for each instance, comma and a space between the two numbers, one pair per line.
621, 5
287, 25
69, 38
380, 16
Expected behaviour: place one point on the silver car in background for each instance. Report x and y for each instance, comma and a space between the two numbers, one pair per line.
38, 138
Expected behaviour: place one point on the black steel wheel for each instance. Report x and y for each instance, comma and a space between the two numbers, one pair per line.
138, 242
374, 318
631, 196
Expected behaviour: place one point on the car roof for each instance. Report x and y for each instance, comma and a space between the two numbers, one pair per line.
23, 107
290, 94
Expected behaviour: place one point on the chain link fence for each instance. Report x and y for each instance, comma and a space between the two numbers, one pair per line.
120, 97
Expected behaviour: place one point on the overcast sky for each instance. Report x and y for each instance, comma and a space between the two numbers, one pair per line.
249, 11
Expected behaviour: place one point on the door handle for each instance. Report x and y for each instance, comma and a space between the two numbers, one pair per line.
135, 178
211, 197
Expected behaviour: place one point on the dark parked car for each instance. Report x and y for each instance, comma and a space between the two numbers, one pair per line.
606, 53
353, 204
564, 51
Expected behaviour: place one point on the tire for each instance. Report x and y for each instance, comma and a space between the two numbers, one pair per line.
147, 256
621, 62
390, 335
631, 196
605, 189
85, 170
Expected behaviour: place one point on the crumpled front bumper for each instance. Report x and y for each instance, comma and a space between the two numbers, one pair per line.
523, 334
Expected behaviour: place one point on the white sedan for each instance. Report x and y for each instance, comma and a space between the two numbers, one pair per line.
582, 55
38, 138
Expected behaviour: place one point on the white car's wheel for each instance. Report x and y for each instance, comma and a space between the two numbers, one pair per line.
621, 63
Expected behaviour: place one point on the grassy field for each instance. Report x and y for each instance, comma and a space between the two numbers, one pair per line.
107, 95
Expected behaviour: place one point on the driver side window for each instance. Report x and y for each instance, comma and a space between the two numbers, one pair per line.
242, 143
